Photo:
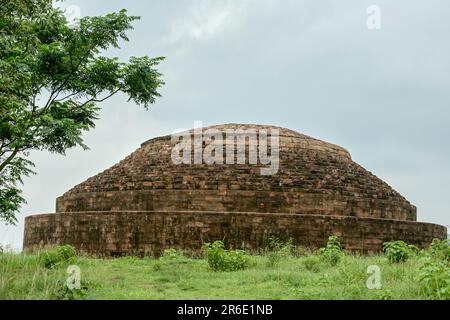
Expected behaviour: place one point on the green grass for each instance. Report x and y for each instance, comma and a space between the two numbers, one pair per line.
22, 276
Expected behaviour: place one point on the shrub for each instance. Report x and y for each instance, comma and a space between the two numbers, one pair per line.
275, 243
434, 279
278, 250
440, 249
57, 256
332, 253
63, 292
220, 259
312, 263
397, 251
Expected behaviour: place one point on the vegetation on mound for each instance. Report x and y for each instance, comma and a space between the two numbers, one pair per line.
282, 271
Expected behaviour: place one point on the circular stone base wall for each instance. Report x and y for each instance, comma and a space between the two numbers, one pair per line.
148, 232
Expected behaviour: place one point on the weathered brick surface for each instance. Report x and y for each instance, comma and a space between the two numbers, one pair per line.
315, 177
118, 233
145, 203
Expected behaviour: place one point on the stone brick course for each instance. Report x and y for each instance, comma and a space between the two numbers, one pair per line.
118, 233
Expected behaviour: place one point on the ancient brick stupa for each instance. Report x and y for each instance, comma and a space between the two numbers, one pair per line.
147, 202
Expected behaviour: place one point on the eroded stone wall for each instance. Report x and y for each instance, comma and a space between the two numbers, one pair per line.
118, 233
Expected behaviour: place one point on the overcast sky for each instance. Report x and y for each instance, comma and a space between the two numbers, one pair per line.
312, 66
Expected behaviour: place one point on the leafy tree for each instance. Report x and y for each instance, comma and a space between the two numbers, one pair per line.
52, 77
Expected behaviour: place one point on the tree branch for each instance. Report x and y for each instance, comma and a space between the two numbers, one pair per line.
9, 159
68, 96
93, 99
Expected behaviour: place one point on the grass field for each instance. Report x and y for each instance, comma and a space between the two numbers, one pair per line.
287, 276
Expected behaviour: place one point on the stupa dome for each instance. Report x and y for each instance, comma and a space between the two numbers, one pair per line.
149, 201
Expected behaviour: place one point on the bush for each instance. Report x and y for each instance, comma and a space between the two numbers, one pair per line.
65, 293
278, 250
57, 256
434, 279
397, 251
332, 253
220, 259
312, 263
440, 249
